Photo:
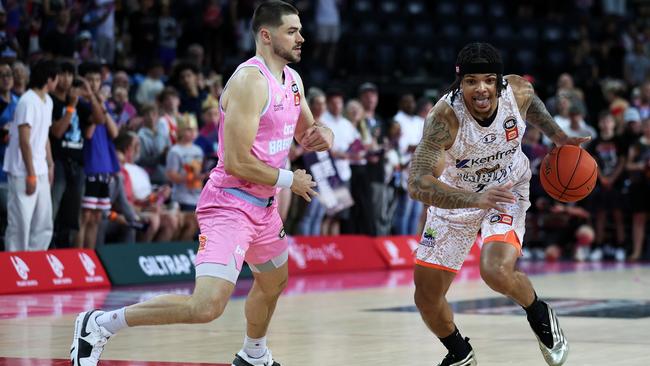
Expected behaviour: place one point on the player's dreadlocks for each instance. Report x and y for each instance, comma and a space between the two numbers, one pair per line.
477, 58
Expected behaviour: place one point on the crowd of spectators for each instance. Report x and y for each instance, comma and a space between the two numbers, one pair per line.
134, 116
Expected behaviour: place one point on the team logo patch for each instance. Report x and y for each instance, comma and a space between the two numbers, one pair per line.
203, 240
282, 234
489, 138
429, 237
296, 94
501, 219
510, 125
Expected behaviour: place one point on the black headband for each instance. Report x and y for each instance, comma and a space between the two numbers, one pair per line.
479, 68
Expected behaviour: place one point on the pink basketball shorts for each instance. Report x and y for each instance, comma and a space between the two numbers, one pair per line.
234, 229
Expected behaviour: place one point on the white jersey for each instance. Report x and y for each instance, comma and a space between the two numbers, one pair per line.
481, 157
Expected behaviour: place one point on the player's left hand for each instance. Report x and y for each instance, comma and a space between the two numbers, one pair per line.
577, 141
317, 138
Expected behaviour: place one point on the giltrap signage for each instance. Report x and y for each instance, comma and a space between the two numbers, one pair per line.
50, 270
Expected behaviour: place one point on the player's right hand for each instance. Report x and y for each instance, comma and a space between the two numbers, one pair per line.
303, 185
495, 196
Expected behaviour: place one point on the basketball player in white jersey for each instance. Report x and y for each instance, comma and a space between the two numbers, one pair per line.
262, 110
470, 169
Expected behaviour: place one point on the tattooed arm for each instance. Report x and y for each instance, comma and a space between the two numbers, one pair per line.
534, 111
429, 161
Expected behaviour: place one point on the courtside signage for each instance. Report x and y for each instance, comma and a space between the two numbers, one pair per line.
319, 254
50, 270
128, 264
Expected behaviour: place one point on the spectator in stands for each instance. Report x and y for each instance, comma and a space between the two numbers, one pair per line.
395, 180
565, 87
69, 121
9, 48
577, 125
186, 76
184, 165
143, 28
408, 212
21, 78
637, 65
8, 102
101, 21
610, 154
312, 219
85, 51
361, 219
154, 142
29, 164
345, 134
644, 101
208, 139
168, 33
328, 31
168, 107
56, 42
213, 32
119, 107
614, 92
633, 130
638, 167
152, 84
147, 202
100, 160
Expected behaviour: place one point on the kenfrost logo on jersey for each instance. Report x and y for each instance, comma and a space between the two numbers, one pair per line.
23, 272
468, 163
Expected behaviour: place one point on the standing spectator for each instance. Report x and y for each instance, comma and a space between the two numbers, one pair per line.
21, 78
119, 107
184, 164
638, 166
57, 41
29, 165
143, 27
609, 152
328, 31
169, 102
345, 134
69, 121
102, 22
8, 102
361, 219
100, 160
168, 33
637, 65
632, 131
152, 84
408, 212
154, 143
9, 48
576, 125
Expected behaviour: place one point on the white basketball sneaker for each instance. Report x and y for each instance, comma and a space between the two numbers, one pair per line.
89, 339
242, 359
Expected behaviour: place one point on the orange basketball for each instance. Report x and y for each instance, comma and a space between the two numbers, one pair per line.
568, 173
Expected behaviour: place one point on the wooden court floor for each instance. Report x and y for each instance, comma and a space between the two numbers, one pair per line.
357, 319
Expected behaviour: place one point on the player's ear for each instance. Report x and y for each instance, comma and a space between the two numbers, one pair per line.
265, 35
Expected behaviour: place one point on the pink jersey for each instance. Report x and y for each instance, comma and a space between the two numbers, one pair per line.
275, 133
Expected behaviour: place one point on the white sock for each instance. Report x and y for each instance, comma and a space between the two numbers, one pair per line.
113, 320
255, 347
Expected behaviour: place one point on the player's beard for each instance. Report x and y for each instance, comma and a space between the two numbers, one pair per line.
287, 55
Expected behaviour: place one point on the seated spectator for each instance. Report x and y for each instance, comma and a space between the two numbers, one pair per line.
168, 104
154, 142
147, 202
186, 77
152, 84
184, 164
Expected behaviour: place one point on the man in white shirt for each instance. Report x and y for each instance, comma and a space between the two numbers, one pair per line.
408, 211
28, 163
344, 131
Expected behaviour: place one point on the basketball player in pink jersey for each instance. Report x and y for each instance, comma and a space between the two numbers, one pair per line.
470, 169
262, 110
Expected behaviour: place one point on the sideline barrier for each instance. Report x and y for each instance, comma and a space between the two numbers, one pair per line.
50, 270
140, 263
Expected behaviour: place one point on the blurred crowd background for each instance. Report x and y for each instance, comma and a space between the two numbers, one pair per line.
373, 69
